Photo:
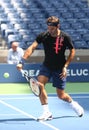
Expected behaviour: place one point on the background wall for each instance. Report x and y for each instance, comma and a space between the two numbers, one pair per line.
77, 72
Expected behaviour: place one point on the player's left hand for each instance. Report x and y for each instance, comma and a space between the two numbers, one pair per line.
64, 73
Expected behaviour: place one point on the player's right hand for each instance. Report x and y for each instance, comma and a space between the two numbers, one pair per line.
19, 66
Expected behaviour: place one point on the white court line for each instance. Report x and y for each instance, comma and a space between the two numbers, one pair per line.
79, 93
28, 115
80, 97
36, 98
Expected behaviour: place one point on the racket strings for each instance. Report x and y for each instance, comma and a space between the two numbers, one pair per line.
34, 86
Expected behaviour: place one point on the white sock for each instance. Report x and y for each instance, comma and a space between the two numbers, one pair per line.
72, 103
45, 108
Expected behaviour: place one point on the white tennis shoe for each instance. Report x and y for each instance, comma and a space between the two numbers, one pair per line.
77, 108
45, 116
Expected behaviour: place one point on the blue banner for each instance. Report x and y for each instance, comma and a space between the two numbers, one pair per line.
76, 72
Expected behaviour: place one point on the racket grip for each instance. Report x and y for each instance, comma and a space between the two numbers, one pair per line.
22, 71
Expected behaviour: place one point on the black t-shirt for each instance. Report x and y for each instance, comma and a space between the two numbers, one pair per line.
54, 52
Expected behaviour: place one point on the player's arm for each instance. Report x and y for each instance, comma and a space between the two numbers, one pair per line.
30, 50
27, 54
69, 59
70, 46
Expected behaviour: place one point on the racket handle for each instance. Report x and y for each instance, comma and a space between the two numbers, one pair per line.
22, 71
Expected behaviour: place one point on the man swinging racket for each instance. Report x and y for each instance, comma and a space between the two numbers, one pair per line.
55, 43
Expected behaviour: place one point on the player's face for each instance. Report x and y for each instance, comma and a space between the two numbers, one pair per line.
52, 30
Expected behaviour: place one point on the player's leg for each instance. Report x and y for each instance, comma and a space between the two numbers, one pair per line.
43, 96
64, 96
46, 115
60, 85
43, 79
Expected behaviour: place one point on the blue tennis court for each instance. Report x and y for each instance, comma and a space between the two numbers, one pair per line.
21, 111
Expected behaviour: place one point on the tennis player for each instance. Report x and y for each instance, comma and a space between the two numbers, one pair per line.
55, 43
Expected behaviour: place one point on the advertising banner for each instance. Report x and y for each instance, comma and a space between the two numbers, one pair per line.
76, 72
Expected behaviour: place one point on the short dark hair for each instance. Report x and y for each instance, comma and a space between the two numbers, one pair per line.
52, 21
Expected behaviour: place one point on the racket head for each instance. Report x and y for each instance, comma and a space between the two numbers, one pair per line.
34, 86
33, 83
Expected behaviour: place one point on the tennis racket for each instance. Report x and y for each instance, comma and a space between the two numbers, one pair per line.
33, 83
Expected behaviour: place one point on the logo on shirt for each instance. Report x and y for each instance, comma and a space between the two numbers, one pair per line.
58, 44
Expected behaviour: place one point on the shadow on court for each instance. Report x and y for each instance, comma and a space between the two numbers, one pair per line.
29, 119
16, 120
